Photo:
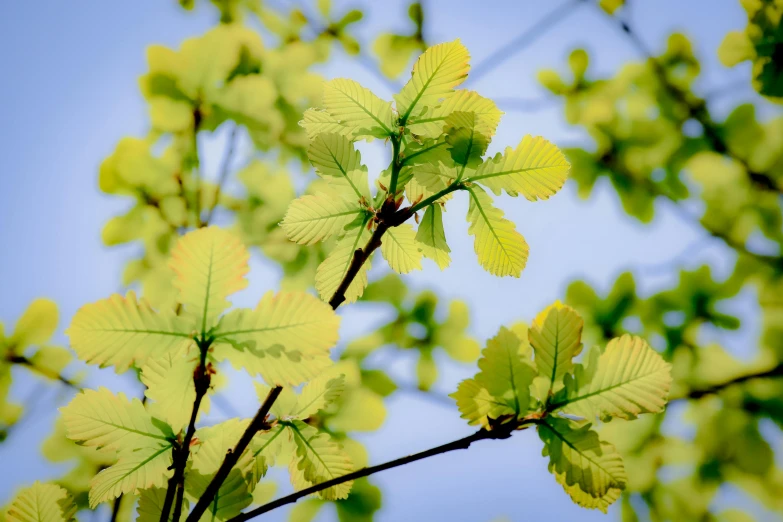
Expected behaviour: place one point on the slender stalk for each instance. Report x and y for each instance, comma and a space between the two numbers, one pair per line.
435, 197
225, 169
27, 363
181, 452
259, 423
698, 393
396, 165
503, 432
115, 509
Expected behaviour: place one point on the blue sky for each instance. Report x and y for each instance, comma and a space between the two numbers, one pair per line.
69, 86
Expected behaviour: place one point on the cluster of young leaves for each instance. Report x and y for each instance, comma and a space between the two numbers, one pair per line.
727, 409
416, 325
642, 122
285, 339
528, 376
438, 136
28, 346
762, 43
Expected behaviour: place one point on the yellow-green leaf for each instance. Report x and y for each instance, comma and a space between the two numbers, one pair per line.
313, 218
209, 265
316, 121
285, 331
476, 405
318, 459
137, 470
536, 169
400, 249
431, 123
358, 109
593, 466
169, 382
317, 395
41, 503
151, 505
122, 331
431, 237
506, 371
336, 159
627, 379
556, 338
501, 250
435, 74
36, 325
333, 269
102, 419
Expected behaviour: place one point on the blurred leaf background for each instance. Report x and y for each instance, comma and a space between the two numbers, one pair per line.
128, 124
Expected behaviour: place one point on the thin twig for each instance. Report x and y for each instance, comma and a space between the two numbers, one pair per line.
181, 452
225, 169
115, 509
698, 393
525, 39
27, 363
259, 423
464, 443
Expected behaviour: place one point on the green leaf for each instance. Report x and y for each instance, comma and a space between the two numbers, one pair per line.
102, 419
358, 109
431, 237
317, 121
501, 250
556, 338
400, 249
36, 325
313, 218
318, 459
581, 458
41, 503
586, 500
265, 448
317, 395
476, 405
536, 169
122, 331
430, 124
435, 74
286, 332
236, 491
506, 370
169, 382
627, 379
333, 269
150, 505
209, 265
465, 142
136, 470
336, 160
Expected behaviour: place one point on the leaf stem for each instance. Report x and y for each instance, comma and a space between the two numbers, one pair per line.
49, 374
501, 432
435, 197
396, 165
225, 169
181, 452
259, 423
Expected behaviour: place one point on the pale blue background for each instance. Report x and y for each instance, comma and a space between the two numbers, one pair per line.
68, 87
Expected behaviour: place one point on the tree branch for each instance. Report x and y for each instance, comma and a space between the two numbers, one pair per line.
181, 452
525, 39
27, 363
698, 393
501, 432
257, 424
115, 509
225, 169
359, 258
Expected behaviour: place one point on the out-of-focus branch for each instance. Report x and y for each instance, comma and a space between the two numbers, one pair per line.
698, 393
